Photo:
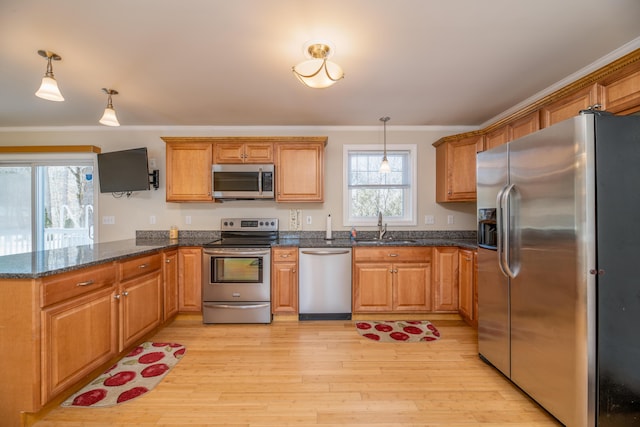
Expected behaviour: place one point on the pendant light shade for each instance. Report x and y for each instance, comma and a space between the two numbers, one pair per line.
384, 166
318, 72
109, 117
49, 87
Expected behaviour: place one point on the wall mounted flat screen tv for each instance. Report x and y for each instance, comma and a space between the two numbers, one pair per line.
123, 171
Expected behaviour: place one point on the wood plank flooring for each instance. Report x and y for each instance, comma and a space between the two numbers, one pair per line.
318, 373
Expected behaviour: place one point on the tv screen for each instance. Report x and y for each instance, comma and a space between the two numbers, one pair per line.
123, 171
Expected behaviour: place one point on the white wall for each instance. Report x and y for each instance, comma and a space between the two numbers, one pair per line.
134, 213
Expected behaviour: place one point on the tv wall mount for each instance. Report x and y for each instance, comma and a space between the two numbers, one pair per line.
155, 179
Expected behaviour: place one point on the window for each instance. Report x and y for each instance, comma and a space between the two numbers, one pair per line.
369, 191
46, 203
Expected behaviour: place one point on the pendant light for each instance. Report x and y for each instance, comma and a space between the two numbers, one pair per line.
109, 117
384, 166
318, 72
49, 87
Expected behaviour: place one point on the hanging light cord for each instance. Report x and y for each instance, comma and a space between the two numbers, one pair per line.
384, 120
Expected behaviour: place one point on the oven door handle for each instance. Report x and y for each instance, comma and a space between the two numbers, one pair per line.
237, 307
231, 252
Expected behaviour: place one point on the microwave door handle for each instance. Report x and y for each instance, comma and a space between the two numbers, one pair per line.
260, 181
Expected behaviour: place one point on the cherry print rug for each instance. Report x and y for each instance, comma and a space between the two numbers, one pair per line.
398, 330
134, 375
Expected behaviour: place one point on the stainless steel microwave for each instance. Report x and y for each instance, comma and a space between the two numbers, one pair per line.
243, 181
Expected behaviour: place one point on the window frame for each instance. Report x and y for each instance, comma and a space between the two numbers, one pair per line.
411, 216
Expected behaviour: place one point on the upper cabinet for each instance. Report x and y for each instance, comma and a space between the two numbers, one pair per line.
188, 173
614, 88
299, 163
300, 169
456, 169
237, 150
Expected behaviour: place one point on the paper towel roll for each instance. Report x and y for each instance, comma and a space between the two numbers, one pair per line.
328, 236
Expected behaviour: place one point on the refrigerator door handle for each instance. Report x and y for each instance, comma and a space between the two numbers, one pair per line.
500, 228
505, 228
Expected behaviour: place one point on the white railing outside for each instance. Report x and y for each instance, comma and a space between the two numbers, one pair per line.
54, 238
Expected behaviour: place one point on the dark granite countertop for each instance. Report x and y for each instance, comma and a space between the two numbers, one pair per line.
55, 261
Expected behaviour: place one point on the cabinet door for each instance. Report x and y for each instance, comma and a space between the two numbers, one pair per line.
570, 106
622, 96
372, 287
228, 152
258, 152
284, 295
190, 279
412, 287
300, 172
445, 283
170, 284
78, 336
456, 170
189, 172
497, 137
525, 125
466, 283
140, 307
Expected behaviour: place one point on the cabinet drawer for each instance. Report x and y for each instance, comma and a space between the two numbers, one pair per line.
393, 254
74, 283
288, 254
139, 266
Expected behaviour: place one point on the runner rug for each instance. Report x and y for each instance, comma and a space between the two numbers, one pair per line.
134, 375
398, 330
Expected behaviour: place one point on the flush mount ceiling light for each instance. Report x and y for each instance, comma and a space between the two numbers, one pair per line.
49, 87
109, 117
318, 72
384, 166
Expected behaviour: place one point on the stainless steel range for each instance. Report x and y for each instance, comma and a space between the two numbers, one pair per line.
236, 276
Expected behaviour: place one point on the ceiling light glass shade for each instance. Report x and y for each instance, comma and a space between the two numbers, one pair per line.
384, 166
49, 90
318, 73
109, 117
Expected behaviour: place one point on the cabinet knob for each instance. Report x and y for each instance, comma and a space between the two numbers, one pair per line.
293, 271
116, 296
125, 293
168, 261
449, 192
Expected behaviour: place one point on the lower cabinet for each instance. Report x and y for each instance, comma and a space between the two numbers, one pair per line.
467, 286
445, 279
190, 279
78, 336
391, 279
170, 283
284, 280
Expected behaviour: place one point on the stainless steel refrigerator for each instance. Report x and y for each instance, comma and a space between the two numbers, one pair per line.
559, 267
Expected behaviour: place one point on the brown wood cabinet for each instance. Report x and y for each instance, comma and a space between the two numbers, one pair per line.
242, 152
467, 286
524, 125
392, 279
445, 281
300, 170
190, 279
140, 297
86, 319
456, 169
188, 176
170, 283
497, 137
284, 280
570, 105
621, 93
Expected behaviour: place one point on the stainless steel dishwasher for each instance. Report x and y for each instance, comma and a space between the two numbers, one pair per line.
324, 281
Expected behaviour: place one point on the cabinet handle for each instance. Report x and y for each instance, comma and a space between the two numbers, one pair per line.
393, 255
168, 261
116, 296
87, 283
293, 271
125, 293
449, 192
143, 266
284, 256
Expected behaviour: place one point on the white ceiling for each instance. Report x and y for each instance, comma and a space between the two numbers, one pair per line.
228, 62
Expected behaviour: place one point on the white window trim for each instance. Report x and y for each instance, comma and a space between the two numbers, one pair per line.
413, 208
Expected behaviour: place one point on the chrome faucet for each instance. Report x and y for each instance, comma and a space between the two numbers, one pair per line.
381, 230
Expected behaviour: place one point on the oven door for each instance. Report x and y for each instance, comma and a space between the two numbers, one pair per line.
236, 274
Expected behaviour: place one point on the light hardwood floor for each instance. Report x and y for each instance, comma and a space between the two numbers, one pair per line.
318, 373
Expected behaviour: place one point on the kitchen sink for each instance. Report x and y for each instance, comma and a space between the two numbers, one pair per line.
385, 242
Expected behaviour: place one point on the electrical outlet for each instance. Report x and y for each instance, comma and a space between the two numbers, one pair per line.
308, 219
109, 220
187, 219
429, 220
450, 219
152, 219
152, 163
293, 223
